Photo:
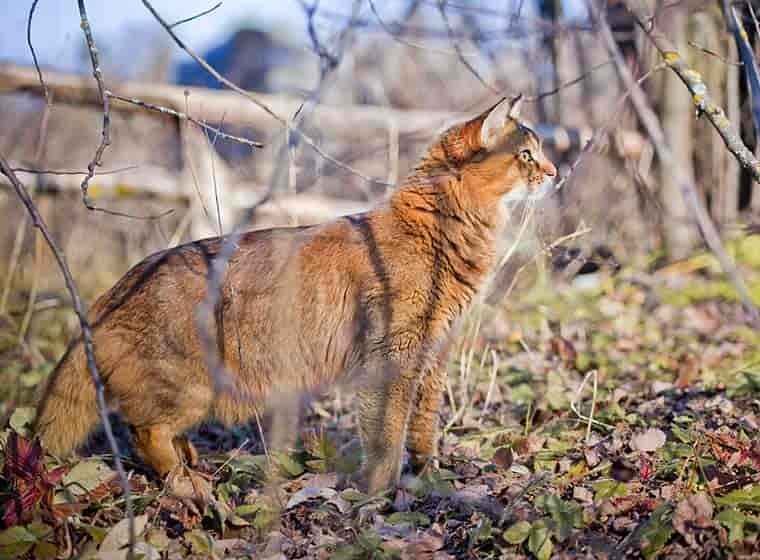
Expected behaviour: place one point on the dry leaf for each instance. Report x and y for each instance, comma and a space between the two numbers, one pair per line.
693, 513
648, 440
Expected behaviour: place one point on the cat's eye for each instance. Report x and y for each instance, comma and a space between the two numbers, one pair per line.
526, 156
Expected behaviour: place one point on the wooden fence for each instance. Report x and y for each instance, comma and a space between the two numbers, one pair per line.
213, 179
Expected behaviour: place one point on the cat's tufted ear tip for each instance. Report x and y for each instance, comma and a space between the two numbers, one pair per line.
514, 106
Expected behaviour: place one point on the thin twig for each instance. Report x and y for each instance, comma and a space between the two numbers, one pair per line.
89, 348
652, 125
460, 54
602, 132
397, 37
185, 117
58, 172
327, 61
574, 81
105, 140
714, 54
196, 16
34, 53
579, 396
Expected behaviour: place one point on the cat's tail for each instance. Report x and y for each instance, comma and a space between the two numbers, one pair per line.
68, 409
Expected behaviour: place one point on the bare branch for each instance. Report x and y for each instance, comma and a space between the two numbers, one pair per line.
34, 53
747, 55
327, 61
714, 54
39, 223
196, 16
58, 172
185, 117
567, 84
98, 75
693, 81
460, 54
652, 125
397, 37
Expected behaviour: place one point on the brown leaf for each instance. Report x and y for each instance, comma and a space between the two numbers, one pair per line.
423, 546
693, 513
503, 458
564, 349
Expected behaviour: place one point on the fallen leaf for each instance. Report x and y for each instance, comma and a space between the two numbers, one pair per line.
503, 458
695, 512
648, 440
118, 536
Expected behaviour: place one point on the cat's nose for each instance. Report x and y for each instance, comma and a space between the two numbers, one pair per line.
548, 167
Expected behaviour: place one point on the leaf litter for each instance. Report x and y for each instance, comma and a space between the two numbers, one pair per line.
620, 418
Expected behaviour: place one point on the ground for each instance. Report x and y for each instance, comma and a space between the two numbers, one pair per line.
615, 415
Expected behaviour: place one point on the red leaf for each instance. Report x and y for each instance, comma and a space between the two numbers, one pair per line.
18, 508
52, 478
22, 461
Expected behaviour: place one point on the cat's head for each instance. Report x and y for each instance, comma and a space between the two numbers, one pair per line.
498, 156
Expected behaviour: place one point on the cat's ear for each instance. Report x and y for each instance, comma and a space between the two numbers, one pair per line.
515, 104
493, 125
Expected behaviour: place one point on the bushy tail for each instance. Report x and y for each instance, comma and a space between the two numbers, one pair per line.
68, 409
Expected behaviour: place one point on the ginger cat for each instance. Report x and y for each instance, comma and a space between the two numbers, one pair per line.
377, 292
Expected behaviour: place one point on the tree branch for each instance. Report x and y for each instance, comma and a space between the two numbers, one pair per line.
105, 140
39, 223
698, 89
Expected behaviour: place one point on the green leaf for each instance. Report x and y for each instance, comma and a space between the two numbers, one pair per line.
16, 535
564, 514
289, 465
656, 532
539, 541
746, 498
353, 495
200, 542
21, 420
517, 533
746, 383
45, 551
413, 517
84, 478
683, 435
265, 518
369, 541
733, 520
96, 533
247, 509
522, 394
606, 489
16, 542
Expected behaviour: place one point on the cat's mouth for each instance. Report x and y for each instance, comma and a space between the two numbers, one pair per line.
544, 189
525, 193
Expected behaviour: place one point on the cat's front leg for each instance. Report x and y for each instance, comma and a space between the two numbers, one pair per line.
423, 433
383, 417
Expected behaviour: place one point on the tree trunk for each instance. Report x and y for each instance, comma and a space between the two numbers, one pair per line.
731, 183
677, 115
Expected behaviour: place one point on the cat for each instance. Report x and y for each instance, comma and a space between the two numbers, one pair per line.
374, 294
